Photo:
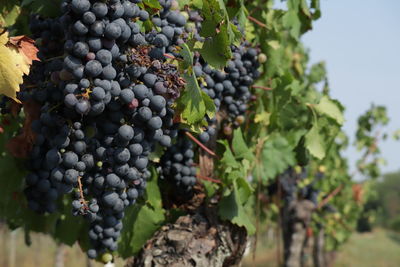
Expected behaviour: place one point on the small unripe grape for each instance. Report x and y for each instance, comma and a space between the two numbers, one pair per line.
106, 258
228, 130
240, 119
262, 58
174, 5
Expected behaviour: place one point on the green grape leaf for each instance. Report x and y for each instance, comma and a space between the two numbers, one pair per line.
244, 189
219, 34
153, 192
9, 13
314, 142
45, 8
328, 107
276, 156
240, 147
228, 159
152, 4
242, 16
141, 221
187, 56
292, 22
68, 228
231, 208
183, 3
196, 3
12, 199
315, 4
304, 8
216, 50
317, 73
193, 103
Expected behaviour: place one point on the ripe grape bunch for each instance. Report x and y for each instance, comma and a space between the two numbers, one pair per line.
310, 192
289, 183
49, 36
230, 88
177, 165
104, 107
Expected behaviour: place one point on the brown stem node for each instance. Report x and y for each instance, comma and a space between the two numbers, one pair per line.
208, 179
194, 139
256, 21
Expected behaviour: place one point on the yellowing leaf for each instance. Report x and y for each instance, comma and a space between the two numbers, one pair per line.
9, 13
26, 46
13, 66
263, 118
274, 44
19, 60
10, 74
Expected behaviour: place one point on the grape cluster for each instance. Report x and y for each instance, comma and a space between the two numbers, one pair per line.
229, 88
51, 129
289, 183
177, 165
309, 191
41, 84
113, 106
172, 30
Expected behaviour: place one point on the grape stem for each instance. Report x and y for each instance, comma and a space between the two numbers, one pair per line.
52, 58
201, 145
262, 87
330, 196
83, 201
343, 224
171, 57
208, 179
256, 21
30, 86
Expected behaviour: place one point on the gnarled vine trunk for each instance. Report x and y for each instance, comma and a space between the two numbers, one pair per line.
321, 257
296, 216
200, 239
330, 258
318, 251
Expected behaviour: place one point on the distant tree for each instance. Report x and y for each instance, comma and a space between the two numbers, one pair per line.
387, 201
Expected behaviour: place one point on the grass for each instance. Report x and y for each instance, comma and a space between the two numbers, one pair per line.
41, 253
377, 249
380, 248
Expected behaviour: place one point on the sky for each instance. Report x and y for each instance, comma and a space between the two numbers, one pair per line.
360, 42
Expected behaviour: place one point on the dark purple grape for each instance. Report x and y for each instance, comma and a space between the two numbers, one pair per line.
93, 68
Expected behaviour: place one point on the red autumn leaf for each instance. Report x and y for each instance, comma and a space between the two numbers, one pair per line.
21, 145
25, 46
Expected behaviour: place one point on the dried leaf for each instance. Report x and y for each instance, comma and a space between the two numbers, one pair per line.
11, 72
21, 145
25, 46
